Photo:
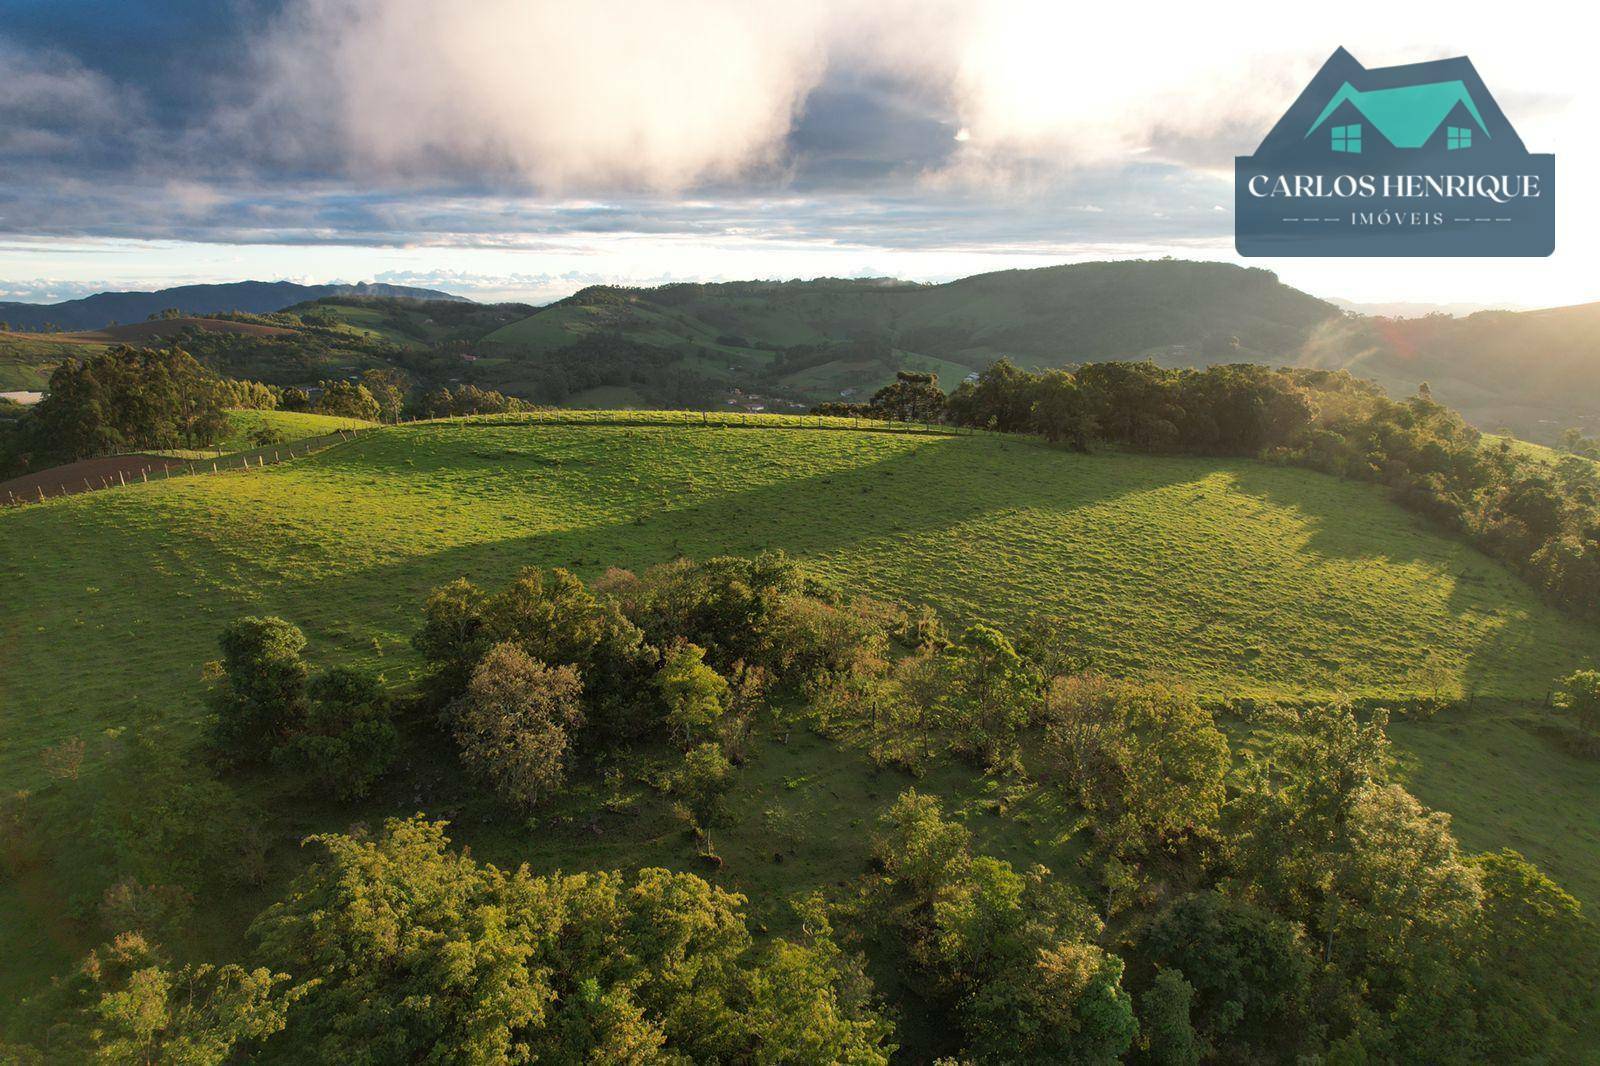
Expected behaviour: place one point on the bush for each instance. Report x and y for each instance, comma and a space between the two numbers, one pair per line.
346, 738
261, 700
694, 694
515, 724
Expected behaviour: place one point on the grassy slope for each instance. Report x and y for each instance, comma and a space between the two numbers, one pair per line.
1236, 576
27, 359
294, 425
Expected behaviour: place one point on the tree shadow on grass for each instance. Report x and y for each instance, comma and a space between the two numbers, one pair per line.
1353, 521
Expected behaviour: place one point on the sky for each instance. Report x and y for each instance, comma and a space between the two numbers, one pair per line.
516, 149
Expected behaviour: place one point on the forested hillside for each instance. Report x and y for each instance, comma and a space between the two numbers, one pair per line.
789, 345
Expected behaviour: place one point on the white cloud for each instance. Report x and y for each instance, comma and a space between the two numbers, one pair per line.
602, 94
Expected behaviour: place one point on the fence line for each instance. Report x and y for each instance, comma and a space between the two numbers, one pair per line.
254, 459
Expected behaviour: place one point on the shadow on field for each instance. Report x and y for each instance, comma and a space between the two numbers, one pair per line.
1479, 585
806, 517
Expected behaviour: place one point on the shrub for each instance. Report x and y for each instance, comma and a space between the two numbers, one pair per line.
346, 738
694, 694
262, 696
514, 726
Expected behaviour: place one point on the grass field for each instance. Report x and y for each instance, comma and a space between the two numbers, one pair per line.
294, 425
1235, 577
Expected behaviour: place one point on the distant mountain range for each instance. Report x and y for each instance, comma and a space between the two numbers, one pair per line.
256, 297
777, 344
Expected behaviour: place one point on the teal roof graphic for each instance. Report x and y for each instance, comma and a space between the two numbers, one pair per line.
1407, 115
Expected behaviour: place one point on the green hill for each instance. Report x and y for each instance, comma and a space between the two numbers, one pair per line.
1533, 371
789, 345
1235, 578
1537, 372
806, 341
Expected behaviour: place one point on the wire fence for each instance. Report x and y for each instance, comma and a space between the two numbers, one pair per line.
55, 483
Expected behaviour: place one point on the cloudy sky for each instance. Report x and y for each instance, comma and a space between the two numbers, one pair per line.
522, 149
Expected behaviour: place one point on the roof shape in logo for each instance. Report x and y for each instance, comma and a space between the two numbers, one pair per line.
1408, 114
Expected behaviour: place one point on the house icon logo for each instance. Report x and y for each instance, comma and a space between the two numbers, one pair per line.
1415, 160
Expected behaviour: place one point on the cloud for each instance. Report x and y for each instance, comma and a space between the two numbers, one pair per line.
53, 107
606, 94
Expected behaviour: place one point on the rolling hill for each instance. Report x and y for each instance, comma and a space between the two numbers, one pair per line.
255, 297
1239, 580
1535, 372
790, 345
1236, 578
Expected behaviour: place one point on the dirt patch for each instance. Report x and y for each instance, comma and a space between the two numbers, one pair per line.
84, 476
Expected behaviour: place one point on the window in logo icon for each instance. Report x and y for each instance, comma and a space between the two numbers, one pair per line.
1348, 138
1457, 137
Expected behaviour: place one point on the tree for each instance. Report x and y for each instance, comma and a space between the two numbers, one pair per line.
1249, 974
1167, 1037
918, 848
911, 397
700, 782
515, 723
1580, 697
130, 398
1539, 963
388, 387
992, 695
694, 694
136, 1007
347, 399
1148, 760
261, 699
346, 738
558, 621
1012, 952
1060, 411
1293, 813
1001, 399
420, 953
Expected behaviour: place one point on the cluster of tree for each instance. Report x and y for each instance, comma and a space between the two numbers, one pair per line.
1314, 907
398, 949
1012, 954
121, 399
337, 727
549, 670
451, 401
1290, 903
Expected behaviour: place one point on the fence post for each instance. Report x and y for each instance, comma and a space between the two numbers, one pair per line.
121, 479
